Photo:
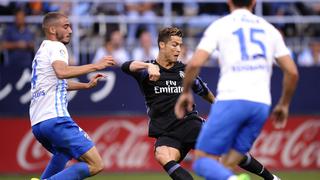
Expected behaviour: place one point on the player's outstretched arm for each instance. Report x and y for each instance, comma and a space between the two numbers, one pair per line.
281, 111
73, 85
209, 97
64, 71
153, 70
139, 65
199, 87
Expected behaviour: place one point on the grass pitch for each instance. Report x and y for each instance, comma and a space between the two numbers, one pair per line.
299, 175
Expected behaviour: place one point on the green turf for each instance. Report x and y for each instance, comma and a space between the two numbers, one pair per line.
305, 175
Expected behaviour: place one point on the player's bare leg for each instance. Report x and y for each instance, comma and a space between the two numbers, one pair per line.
231, 159
164, 154
94, 161
198, 154
168, 157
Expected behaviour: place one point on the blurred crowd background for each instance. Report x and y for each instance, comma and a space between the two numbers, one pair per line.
127, 29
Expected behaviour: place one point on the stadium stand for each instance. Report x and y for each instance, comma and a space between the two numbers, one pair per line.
93, 19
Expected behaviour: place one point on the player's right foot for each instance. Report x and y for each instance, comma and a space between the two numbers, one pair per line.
243, 177
275, 177
35, 179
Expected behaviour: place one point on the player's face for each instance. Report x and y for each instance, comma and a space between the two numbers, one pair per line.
63, 30
173, 48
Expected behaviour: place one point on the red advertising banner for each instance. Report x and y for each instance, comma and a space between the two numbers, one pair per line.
124, 146
295, 147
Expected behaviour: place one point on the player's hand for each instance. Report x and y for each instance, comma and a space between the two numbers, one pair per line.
94, 80
154, 72
183, 105
279, 116
105, 62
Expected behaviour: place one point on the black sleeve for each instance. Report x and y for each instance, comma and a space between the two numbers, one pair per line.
139, 75
199, 87
125, 67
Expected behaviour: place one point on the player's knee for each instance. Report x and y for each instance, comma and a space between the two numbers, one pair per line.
200, 154
99, 166
230, 164
96, 167
162, 155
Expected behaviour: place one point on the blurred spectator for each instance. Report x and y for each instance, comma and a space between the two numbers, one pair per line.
213, 8
110, 8
57, 5
107, 8
310, 8
36, 7
18, 42
6, 7
113, 46
186, 54
310, 56
188, 9
146, 50
79, 10
139, 11
283, 9
185, 7
291, 52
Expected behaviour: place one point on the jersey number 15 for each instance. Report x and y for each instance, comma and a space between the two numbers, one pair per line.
243, 48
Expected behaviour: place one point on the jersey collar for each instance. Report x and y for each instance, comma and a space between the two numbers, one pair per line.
241, 11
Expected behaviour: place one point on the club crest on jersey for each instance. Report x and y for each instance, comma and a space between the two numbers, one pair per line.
62, 53
181, 73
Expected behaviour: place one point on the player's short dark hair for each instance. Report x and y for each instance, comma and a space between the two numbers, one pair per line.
51, 18
242, 3
166, 33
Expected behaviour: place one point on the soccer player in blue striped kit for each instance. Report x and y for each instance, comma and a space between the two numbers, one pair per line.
248, 46
50, 120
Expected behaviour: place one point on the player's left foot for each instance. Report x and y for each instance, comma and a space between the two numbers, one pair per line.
34, 179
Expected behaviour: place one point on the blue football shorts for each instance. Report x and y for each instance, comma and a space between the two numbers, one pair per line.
62, 135
232, 124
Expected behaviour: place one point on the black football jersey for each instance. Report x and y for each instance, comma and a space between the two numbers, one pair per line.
161, 96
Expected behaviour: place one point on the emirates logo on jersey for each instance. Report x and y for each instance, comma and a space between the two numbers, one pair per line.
171, 87
181, 73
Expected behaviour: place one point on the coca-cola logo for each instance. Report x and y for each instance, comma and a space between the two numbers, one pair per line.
121, 144
35, 159
299, 147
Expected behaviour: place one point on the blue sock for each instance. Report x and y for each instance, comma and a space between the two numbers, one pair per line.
211, 169
77, 171
57, 163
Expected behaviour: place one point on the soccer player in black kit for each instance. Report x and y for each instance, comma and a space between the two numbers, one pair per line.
160, 81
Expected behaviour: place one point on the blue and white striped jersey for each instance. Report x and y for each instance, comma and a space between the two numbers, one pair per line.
49, 94
247, 46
